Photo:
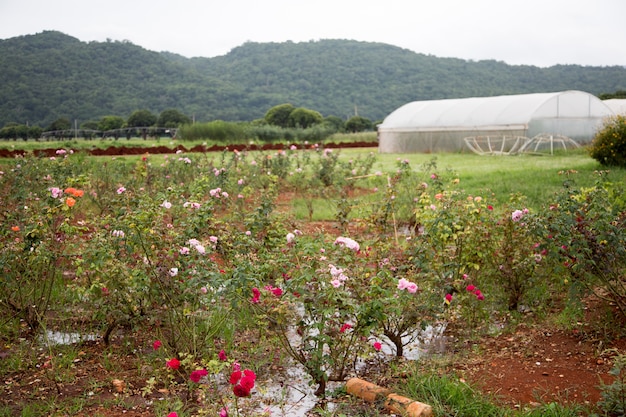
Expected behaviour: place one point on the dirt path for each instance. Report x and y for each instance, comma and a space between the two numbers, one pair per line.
535, 365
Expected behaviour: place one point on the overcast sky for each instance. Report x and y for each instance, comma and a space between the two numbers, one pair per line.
518, 32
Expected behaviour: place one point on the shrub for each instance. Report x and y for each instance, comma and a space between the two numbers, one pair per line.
516, 260
217, 130
269, 133
613, 400
317, 133
584, 230
609, 144
304, 118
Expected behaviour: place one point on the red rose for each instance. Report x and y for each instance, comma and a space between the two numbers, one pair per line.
256, 295
173, 363
235, 377
242, 382
198, 374
247, 383
240, 391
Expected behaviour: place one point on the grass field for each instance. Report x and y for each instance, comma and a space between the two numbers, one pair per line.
535, 177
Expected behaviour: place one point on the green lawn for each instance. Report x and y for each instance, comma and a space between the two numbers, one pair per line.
536, 177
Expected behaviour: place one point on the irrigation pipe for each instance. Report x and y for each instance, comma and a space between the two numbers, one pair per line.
392, 402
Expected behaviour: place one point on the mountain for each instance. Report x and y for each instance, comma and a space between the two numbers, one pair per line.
51, 75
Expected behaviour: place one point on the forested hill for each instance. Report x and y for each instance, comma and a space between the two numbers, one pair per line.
51, 75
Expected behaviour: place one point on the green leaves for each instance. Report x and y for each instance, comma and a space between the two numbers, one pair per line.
609, 144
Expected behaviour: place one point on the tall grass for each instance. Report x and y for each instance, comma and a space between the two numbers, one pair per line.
450, 397
217, 130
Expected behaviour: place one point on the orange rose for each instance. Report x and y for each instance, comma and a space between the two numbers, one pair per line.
74, 192
15, 228
70, 201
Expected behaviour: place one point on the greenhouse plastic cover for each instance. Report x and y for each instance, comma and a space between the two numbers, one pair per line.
513, 111
618, 105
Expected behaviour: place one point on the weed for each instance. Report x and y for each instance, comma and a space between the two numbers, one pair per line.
613, 400
450, 396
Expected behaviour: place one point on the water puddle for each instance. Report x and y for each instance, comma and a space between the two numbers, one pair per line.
431, 340
289, 393
53, 337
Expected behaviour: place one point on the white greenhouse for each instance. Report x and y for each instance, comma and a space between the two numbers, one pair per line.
443, 125
618, 105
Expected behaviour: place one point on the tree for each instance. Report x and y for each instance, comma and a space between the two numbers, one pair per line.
279, 115
34, 132
15, 131
111, 123
617, 94
59, 124
335, 122
141, 118
304, 118
358, 124
89, 129
9, 131
172, 118
90, 125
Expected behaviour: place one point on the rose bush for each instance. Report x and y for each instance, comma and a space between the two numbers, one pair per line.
190, 250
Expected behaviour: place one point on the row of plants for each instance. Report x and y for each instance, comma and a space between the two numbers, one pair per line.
192, 250
232, 132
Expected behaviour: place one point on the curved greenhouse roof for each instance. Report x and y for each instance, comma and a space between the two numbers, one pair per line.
618, 105
441, 125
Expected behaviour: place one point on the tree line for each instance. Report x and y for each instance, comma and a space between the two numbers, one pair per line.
50, 76
278, 122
